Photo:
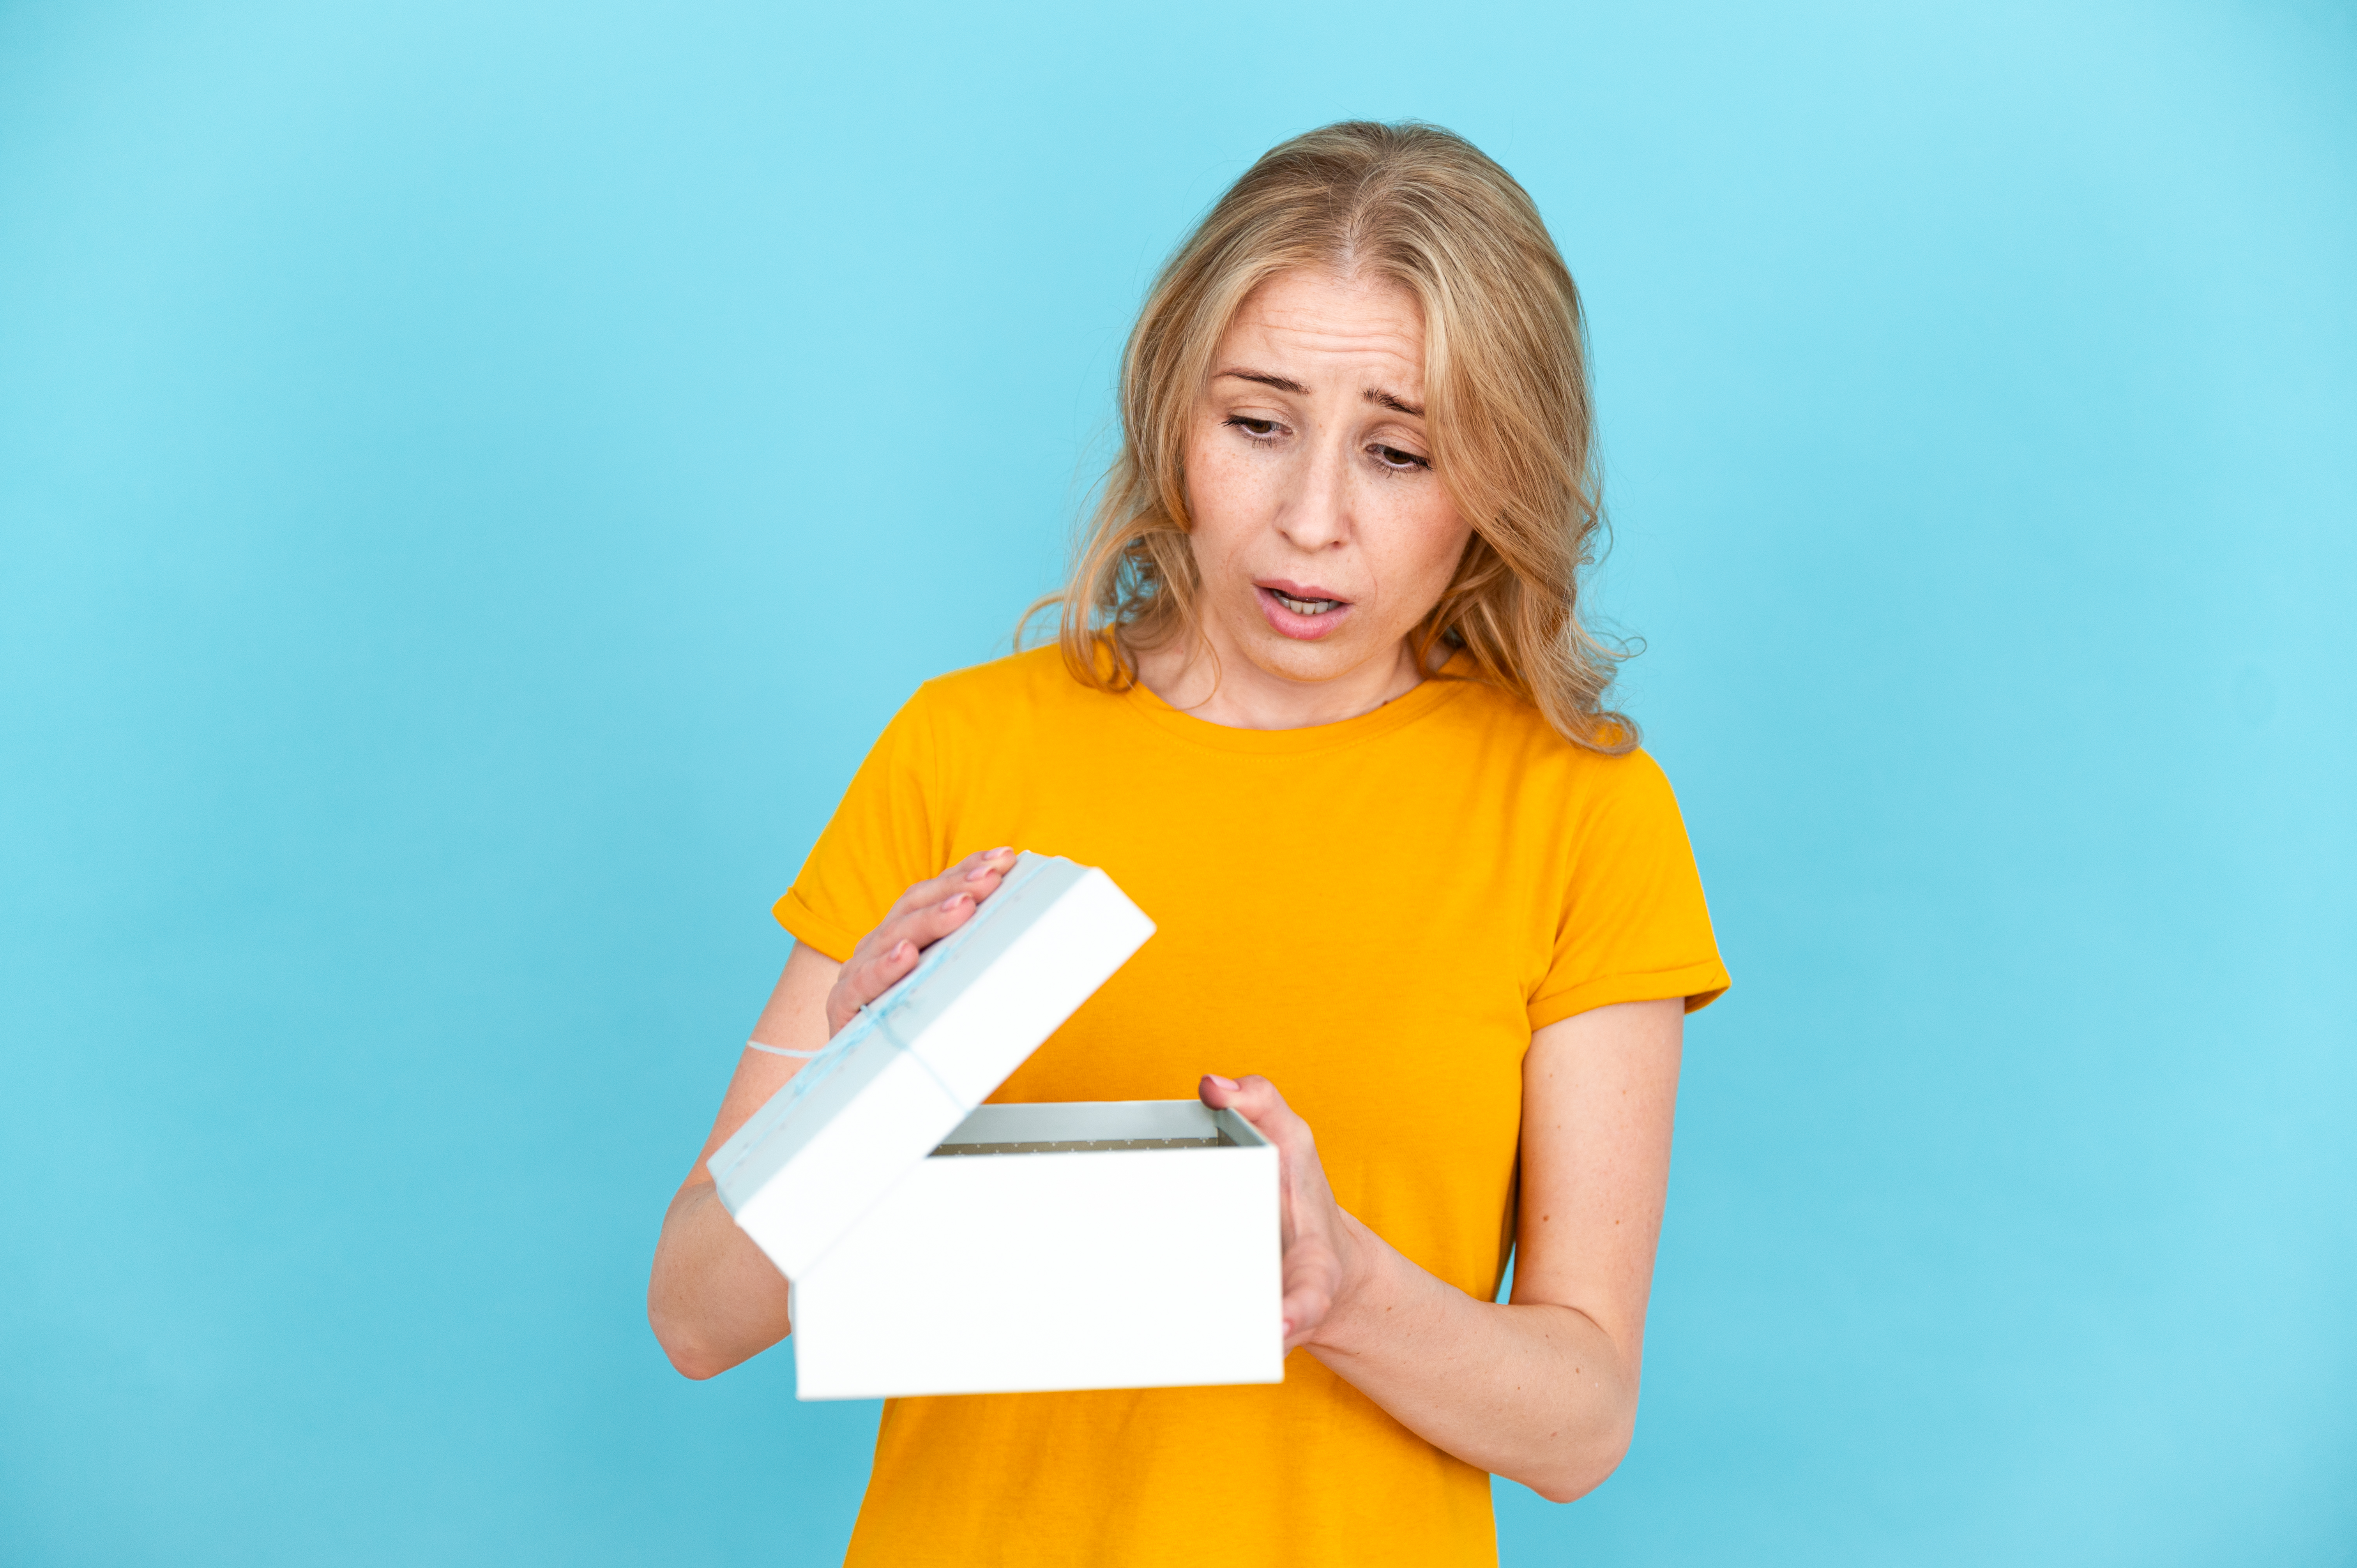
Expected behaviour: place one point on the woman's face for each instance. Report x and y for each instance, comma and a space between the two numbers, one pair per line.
1320, 532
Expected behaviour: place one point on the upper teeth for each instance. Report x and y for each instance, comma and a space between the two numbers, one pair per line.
1304, 607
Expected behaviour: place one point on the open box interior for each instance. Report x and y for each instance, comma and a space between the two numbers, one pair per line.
1098, 1126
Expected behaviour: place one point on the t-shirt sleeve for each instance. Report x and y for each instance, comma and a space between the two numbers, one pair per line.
1634, 926
881, 840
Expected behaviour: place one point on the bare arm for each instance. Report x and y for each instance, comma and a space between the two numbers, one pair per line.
1543, 1390
714, 1299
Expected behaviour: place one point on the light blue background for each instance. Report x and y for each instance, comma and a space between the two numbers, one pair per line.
473, 477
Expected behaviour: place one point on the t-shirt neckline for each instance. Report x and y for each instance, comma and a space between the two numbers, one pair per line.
1406, 709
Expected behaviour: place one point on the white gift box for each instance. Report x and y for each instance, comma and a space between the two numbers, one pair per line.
937, 1245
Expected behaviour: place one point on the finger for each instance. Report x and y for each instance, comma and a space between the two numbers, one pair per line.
886, 970
1255, 1100
989, 864
978, 873
863, 981
896, 945
928, 923
1304, 1310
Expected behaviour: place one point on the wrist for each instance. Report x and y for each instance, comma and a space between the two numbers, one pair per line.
1360, 1296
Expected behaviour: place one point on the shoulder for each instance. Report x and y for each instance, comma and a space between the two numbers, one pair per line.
1016, 699
1036, 674
1498, 719
1022, 683
1552, 780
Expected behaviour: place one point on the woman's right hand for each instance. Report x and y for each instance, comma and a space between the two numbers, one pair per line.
925, 914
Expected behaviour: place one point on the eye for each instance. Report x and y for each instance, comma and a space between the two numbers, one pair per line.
1391, 457
1257, 429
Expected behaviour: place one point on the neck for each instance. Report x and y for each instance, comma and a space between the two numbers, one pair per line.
1221, 686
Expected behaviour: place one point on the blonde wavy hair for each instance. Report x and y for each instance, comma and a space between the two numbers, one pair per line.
1507, 409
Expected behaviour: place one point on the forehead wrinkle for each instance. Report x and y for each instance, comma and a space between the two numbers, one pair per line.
1314, 301
1318, 338
1267, 344
1374, 338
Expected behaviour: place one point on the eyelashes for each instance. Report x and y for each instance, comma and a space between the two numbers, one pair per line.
1391, 459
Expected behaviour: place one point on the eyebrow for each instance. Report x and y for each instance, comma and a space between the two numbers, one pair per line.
1282, 383
1375, 395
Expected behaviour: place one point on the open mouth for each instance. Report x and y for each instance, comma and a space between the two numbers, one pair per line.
1303, 611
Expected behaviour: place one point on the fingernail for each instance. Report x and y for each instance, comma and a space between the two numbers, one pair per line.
952, 902
904, 950
979, 872
1227, 1083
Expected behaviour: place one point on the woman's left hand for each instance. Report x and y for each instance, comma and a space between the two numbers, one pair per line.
1319, 1239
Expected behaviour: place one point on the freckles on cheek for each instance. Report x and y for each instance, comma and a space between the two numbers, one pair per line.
1202, 479
1420, 549
1222, 493
1414, 575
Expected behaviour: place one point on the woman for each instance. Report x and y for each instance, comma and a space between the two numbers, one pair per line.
1323, 706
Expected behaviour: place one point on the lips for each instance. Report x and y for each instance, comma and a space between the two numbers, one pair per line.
1303, 611
1306, 606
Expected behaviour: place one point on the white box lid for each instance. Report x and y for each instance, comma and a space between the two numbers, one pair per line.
827, 1147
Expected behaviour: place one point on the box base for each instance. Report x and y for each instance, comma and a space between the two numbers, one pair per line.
1000, 1266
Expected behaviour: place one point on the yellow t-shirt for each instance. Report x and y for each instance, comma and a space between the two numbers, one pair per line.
1376, 913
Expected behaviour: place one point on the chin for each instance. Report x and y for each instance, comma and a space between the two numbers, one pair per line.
1292, 659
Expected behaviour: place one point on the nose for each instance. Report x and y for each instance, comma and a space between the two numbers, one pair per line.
1317, 516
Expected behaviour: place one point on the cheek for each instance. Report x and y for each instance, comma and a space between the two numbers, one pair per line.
1219, 486
1226, 505
1428, 539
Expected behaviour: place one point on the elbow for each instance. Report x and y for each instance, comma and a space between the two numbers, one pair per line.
687, 1358
694, 1363
691, 1355
713, 1301
1572, 1483
690, 1359
1581, 1468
